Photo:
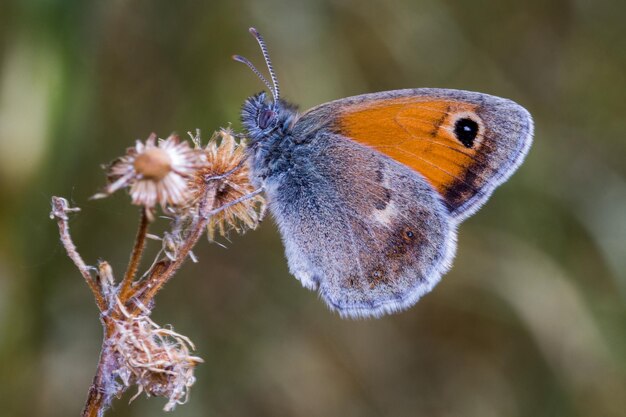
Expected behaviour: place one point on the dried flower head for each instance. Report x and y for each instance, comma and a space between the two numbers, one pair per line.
156, 359
155, 172
226, 160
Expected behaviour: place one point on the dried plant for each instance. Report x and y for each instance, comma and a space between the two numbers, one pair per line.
155, 172
224, 155
200, 189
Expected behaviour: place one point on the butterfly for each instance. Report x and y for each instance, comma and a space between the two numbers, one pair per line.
368, 191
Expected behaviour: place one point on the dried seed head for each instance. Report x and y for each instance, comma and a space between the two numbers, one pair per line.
155, 172
153, 164
226, 163
156, 359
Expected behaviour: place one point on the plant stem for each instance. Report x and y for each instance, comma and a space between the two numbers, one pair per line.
135, 257
97, 398
159, 276
95, 405
60, 208
156, 281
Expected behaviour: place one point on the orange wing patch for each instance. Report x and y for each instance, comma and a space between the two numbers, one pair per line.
418, 133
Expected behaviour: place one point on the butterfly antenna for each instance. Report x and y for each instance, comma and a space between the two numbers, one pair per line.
268, 62
243, 60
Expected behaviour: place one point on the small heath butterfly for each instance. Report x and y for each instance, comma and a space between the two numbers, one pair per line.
368, 191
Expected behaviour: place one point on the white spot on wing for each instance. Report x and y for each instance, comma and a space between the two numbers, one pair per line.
386, 215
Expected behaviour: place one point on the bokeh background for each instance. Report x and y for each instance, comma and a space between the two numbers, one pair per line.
531, 321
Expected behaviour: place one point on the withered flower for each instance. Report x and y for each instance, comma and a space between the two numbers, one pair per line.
155, 172
156, 359
226, 161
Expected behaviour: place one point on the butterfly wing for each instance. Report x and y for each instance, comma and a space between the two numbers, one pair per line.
367, 191
465, 144
371, 234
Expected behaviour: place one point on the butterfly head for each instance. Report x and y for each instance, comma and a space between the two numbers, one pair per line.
263, 116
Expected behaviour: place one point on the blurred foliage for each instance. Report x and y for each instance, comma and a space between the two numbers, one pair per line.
529, 322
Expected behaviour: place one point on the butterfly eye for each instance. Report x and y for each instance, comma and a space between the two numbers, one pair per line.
265, 118
466, 130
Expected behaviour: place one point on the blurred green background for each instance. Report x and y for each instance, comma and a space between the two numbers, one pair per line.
531, 321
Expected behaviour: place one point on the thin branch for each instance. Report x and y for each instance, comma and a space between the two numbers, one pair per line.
153, 274
156, 281
97, 400
60, 210
205, 213
135, 257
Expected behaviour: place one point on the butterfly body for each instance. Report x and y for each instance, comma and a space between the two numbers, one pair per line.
368, 191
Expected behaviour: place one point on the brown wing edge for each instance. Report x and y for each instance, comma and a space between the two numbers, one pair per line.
504, 172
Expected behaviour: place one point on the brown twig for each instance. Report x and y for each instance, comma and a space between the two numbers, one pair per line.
164, 269
155, 282
97, 397
60, 209
135, 258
